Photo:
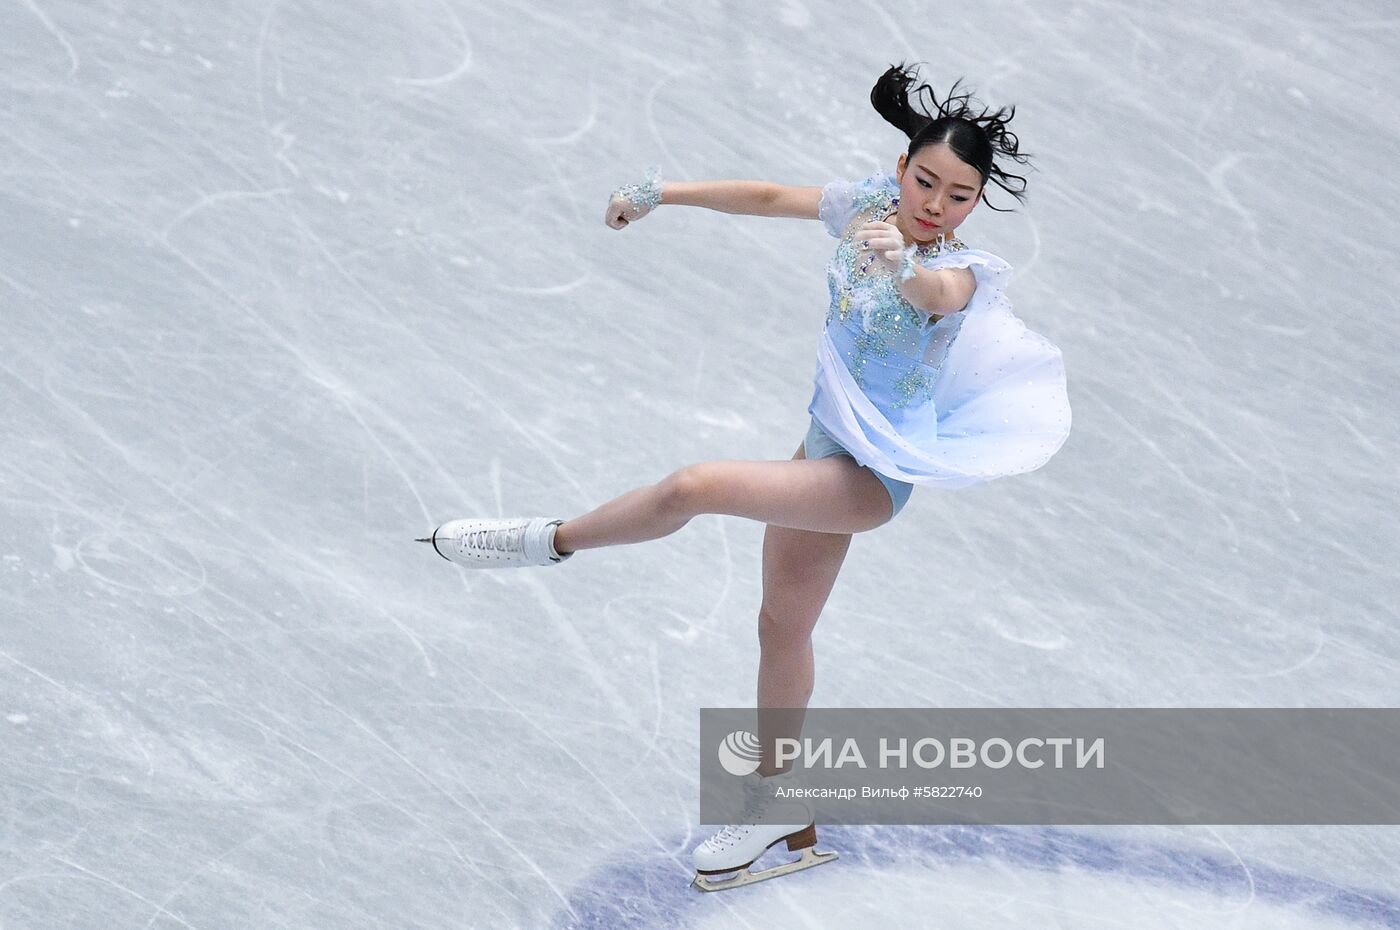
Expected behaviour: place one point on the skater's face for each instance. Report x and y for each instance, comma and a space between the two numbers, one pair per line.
937, 190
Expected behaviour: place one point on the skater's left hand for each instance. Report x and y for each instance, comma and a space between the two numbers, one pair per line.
882, 240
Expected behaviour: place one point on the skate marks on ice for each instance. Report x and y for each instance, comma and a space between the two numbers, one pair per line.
970, 877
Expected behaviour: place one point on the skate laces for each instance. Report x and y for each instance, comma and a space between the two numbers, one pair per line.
497, 540
730, 835
755, 806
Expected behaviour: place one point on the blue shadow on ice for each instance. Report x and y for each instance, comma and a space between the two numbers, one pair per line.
651, 890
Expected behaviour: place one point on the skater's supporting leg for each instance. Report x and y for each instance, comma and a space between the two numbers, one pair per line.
830, 495
799, 571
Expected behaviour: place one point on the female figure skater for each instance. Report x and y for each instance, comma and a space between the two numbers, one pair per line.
924, 376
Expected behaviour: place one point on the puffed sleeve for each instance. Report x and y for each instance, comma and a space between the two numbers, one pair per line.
842, 200
991, 271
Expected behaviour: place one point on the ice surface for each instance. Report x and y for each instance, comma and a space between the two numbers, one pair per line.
286, 284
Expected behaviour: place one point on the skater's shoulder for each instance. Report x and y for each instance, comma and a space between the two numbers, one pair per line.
844, 199
865, 191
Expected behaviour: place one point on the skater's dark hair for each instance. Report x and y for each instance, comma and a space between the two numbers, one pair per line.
975, 137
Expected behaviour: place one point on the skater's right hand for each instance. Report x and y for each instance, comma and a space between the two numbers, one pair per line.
634, 201
622, 211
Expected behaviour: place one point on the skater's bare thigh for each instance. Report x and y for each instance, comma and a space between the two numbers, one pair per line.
830, 495
799, 571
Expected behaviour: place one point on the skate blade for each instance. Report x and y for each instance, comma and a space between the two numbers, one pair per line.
811, 858
433, 541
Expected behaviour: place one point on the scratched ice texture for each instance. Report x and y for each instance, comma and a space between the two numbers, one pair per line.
286, 284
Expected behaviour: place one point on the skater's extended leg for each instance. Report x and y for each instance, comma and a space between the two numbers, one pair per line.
799, 572
830, 495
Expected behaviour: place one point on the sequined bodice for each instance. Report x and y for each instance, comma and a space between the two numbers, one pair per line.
893, 350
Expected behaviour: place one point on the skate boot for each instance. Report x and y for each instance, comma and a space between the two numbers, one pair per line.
768, 821
497, 543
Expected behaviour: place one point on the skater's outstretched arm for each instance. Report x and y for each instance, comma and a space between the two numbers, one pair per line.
751, 198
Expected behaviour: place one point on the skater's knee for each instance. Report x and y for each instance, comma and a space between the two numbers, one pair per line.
684, 492
783, 631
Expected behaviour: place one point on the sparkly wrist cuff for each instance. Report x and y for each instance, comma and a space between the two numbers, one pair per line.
647, 194
906, 264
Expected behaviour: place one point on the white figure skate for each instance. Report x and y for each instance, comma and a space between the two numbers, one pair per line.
497, 543
769, 821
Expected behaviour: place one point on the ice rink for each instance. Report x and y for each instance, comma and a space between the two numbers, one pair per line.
286, 283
